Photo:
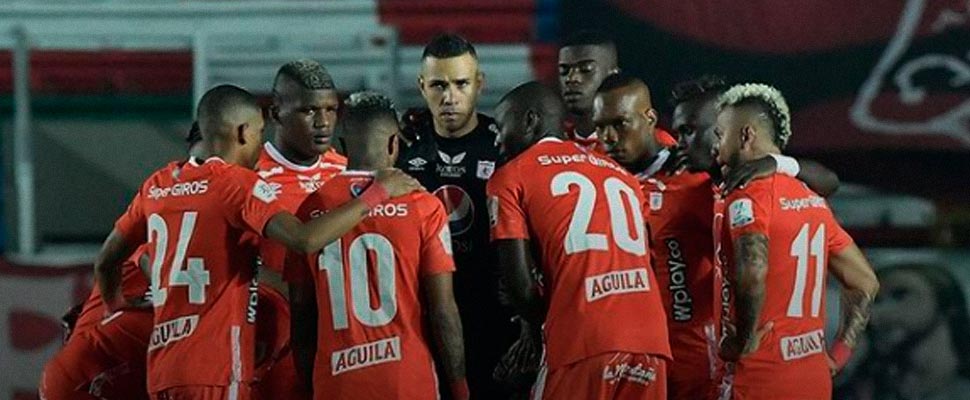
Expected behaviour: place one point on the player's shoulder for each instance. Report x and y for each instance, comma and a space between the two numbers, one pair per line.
425, 203
762, 189
332, 159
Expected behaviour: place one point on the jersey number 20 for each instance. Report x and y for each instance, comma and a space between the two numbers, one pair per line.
620, 198
332, 261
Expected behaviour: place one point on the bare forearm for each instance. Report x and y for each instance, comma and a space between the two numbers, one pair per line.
449, 339
820, 179
856, 308
752, 265
107, 269
313, 235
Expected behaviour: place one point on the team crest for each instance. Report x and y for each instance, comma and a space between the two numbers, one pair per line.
485, 169
356, 189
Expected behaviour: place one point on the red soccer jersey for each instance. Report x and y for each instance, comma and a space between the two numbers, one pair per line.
293, 183
202, 279
583, 213
679, 212
802, 232
133, 284
370, 325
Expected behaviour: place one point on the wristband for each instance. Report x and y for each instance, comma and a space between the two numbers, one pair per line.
459, 389
374, 195
840, 354
786, 165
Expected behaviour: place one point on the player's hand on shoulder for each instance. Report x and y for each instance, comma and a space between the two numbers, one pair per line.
397, 183
738, 178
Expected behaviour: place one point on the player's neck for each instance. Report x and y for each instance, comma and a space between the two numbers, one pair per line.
368, 164
468, 128
294, 156
582, 124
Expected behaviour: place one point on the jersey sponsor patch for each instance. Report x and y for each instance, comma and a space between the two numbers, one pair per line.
617, 282
171, 331
264, 192
656, 201
804, 345
365, 355
741, 213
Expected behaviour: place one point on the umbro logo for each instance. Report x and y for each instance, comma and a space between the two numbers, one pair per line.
417, 162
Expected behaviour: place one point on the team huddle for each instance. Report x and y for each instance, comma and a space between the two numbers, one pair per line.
569, 248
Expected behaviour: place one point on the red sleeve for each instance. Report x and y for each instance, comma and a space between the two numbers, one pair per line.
250, 201
133, 224
297, 267
506, 215
749, 209
436, 256
838, 238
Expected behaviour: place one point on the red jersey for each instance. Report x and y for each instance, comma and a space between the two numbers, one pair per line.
133, 284
372, 343
293, 183
583, 213
195, 217
802, 233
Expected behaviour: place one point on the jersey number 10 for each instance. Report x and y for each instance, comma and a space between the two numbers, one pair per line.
332, 261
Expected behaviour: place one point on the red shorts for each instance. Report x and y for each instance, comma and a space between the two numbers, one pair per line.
85, 370
240, 392
280, 381
693, 372
805, 380
603, 377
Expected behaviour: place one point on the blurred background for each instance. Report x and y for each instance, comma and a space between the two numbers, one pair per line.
96, 94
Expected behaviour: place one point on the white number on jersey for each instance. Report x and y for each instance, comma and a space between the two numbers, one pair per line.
802, 250
195, 276
620, 198
332, 260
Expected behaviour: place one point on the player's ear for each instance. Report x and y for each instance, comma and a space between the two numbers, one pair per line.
274, 111
533, 122
393, 146
747, 137
481, 81
421, 84
651, 115
241, 132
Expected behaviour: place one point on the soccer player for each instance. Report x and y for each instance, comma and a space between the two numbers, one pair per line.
195, 215
359, 306
104, 357
300, 158
578, 217
453, 154
780, 239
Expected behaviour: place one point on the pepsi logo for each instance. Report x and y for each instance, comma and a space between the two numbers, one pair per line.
461, 209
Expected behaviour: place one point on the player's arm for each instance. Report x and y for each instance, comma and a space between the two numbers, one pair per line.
313, 235
859, 288
107, 269
751, 262
818, 178
303, 329
516, 264
446, 330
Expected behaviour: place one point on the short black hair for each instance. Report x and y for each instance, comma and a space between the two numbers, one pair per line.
589, 37
222, 100
704, 86
448, 45
307, 73
365, 108
618, 80
194, 135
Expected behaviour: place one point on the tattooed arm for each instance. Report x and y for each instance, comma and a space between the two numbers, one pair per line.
751, 262
859, 288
